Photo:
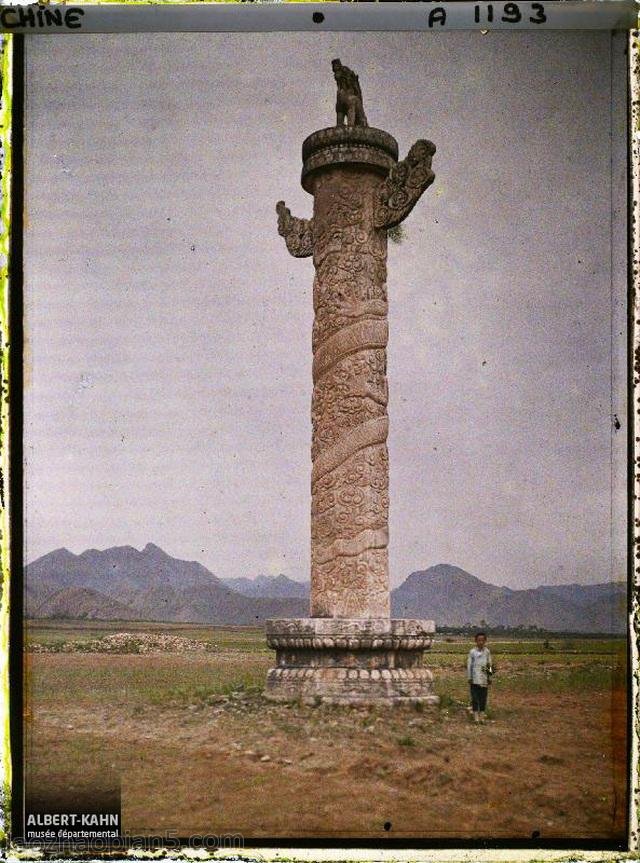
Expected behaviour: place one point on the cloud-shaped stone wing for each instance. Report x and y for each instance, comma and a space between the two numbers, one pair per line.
297, 233
407, 180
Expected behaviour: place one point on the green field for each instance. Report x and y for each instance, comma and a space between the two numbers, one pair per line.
242, 660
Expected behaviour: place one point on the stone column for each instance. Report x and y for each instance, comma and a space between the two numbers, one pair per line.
350, 475
349, 649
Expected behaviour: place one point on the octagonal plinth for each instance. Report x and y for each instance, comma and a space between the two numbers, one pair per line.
350, 661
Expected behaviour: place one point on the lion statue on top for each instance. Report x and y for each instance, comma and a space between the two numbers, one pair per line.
349, 98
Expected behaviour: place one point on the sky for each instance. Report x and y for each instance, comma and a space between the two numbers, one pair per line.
168, 331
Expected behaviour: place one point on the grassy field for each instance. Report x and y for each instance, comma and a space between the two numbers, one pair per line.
196, 748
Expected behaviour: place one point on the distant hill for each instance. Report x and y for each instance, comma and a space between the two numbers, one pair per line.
122, 583
274, 586
81, 603
453, 597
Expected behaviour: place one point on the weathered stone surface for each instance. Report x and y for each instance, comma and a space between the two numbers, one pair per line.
406, 182
297, 233
389, 633
326, 685
359, 191
349, 535
339, 145
345, 661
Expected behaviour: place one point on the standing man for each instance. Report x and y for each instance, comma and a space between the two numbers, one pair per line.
479, 671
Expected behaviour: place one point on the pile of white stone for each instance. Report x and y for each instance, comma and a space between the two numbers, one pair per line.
129, 642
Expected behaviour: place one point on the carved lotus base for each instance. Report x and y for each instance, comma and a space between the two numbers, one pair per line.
350, 661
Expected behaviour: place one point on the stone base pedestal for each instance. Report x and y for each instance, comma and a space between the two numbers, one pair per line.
350, 661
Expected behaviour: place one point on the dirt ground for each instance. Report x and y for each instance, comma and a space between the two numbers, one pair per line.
549, 763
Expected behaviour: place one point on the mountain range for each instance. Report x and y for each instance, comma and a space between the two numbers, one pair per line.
269, 586
122, 583
453, 597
